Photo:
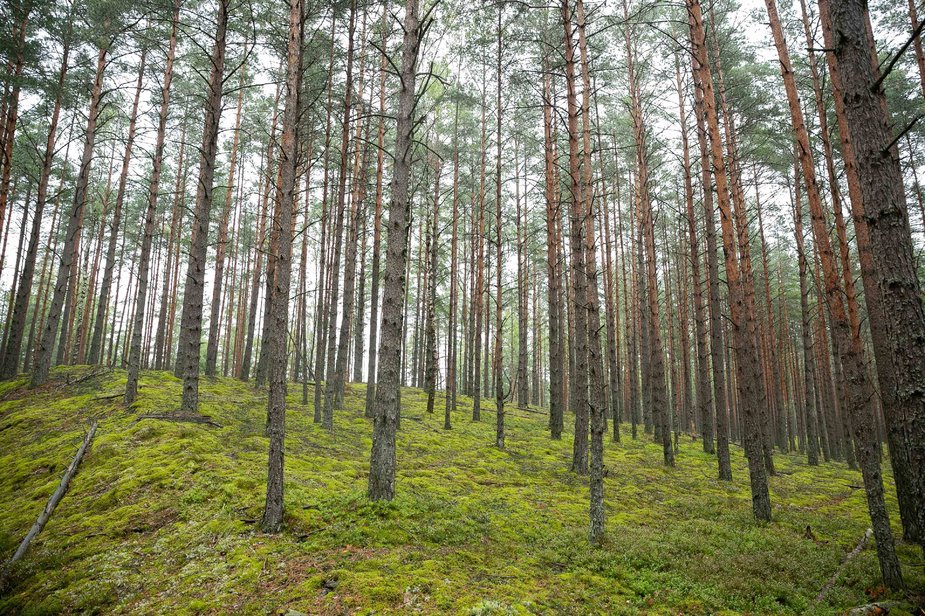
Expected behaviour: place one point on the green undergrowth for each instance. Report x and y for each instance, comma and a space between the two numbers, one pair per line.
163, 517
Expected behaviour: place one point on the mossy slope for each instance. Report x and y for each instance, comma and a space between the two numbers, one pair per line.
162, 517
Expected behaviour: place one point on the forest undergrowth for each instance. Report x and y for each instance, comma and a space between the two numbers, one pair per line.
163, 516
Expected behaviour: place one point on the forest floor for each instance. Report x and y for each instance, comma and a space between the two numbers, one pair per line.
163, 517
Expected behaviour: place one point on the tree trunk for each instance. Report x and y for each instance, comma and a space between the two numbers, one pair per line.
371, 377
134, 359
382, 458
579, 376
742, 320
99, 327
556, 402
848, 345
218, 280
890, 240
809, 362
188, 353
13, 348
331, 369
63, 281
277, 356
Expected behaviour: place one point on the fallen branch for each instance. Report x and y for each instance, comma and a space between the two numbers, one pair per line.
851, 555
196, 419
121, 394
51, 505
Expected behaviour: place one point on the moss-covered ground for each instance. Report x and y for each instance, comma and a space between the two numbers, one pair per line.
163, 517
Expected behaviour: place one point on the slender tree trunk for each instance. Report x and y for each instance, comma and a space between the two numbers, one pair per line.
332, 374
99, 328
13, 347
382, 457
218, 280
54, 317
245, 371
556, 401
162, 343
742, 320
371, 377
188, 347
809, 362
451, 363
497, 367
430, 300
579, 376
12, 111
134, 359
277, 356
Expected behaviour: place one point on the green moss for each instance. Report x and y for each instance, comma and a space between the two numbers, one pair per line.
164, 517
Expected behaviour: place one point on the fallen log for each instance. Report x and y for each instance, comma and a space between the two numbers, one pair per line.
196, 419
851, 555
51, 505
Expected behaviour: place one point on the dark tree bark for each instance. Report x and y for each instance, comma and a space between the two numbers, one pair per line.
886, 215
277, 356
578, 376
188, 347
847, 343
382, 457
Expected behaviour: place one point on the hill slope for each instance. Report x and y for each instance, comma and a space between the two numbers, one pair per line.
162, 516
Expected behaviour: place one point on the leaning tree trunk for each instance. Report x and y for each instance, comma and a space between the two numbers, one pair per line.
382, 457
848, 345
890, 238
743, 322
53, 319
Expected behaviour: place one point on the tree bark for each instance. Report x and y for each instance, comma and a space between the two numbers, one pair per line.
277, 356
134, 359
848, 345
890, 239
382, 457
63, 281
188, 347
13, 348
